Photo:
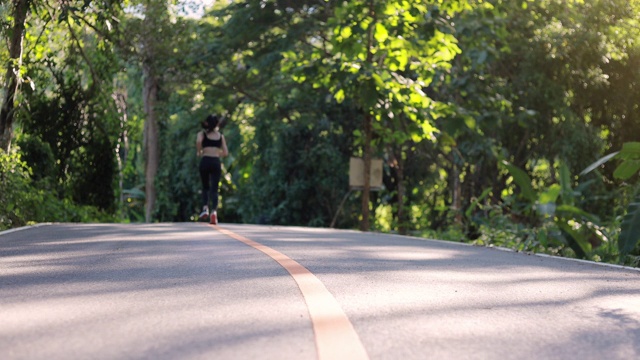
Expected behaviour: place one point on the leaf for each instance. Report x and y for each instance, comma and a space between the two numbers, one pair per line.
565, 183
381, 33
577, 213
550, 195
627, 169
346, 32
446, 139
630, 228
547, 200
340, 96
378, 79
522, 179
475, 202
630, 151
599, 162
470, 121
428, 129
577, 241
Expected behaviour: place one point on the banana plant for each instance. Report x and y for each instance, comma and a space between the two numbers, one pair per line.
628, 167
630, 228
556, 202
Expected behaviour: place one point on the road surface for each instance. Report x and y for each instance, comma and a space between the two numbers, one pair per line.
195, 291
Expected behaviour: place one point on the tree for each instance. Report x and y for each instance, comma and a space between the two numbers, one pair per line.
382, 55
149, 42
20, 11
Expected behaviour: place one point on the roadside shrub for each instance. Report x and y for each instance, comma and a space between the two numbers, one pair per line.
23, 202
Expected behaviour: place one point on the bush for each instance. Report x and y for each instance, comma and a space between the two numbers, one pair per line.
24, 202
16, 194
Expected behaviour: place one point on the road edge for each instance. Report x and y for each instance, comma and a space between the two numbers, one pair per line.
452, 242
500, 248
5, 232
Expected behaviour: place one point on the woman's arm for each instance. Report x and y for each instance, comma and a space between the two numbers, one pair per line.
225, 151
199, 144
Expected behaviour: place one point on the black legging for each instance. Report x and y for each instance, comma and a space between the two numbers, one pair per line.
210, 172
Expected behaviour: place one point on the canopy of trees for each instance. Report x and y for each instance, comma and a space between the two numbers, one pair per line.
507, 123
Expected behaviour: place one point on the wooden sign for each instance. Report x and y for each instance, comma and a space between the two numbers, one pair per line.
356, 174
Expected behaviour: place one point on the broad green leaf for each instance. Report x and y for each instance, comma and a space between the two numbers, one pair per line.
577, 213
378, 79
346, 32
475, 202
550, 195
599, 162
381, 33
577, 241
565, 183
402, 58
630, 151
630, 229
419, 100
339, 96
445, 139
522, 180
627, 169
429, 130
470, 121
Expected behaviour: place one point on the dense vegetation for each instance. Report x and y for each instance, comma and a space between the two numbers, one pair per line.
507, 123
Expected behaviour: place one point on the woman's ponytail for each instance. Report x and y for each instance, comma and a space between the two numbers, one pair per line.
210, 123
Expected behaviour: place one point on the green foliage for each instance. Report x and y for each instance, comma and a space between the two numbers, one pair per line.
630, 165
301, 175
630, 228
499, 90
38, 155
19, 203
26, 201
580, 229
81, 152
523, 180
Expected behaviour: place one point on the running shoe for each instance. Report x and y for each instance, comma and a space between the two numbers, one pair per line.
214, 218
204, 214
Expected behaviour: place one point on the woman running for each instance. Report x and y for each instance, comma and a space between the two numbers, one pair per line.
211, 146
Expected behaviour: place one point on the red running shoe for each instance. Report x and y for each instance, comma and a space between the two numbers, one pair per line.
214, 218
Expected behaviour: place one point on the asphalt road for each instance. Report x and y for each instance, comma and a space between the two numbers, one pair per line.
192, 291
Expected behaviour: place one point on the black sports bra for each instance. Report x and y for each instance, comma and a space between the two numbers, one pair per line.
206, 142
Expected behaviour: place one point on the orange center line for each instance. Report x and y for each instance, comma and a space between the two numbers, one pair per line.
334, 334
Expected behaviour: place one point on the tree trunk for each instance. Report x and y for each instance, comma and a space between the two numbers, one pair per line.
366, 191
396, 163
456, 200
402, 217
151, 147
12, 78
122, 147
368, 130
